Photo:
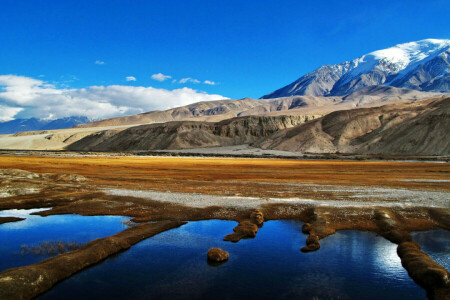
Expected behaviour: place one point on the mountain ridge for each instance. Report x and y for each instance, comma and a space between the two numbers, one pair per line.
422, 65
34, 124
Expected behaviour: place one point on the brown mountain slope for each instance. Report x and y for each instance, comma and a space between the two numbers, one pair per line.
215, 111
420, 128
188, 134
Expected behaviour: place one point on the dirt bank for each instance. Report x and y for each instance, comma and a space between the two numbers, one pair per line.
9, 219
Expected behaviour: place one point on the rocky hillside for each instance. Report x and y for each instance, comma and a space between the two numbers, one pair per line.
188, 134
422, 65
215, 111
420, 128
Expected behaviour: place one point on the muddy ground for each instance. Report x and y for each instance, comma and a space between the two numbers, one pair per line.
389, 198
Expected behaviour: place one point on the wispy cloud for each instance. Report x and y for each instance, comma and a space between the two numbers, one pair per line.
25, 97
99, 62
209, 82
160, 77
130, 78
189, 79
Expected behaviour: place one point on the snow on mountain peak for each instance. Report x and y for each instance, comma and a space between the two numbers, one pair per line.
399, 57
422, 65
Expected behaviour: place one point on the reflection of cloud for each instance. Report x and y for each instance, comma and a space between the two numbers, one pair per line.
386, 260
20, 213
195, 235
36, 220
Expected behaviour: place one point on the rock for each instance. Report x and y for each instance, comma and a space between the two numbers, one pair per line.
257, 217
217, 255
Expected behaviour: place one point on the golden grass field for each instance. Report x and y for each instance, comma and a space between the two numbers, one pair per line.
219, 176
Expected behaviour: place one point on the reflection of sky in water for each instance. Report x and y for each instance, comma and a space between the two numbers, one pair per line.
435, 243
36, 229
172, 265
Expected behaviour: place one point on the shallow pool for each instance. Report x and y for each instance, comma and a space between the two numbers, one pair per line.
36, 229
172, 265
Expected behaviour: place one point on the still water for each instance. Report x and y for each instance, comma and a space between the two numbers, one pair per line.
36, 229
172, 265
435, 243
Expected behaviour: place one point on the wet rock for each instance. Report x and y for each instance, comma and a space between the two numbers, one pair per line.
217, 255
257, 217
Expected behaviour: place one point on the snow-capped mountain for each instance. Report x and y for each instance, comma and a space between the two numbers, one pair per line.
422, 65
32, 124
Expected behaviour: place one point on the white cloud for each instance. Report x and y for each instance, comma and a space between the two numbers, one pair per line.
189, 79
99, 62
209, 82
130, 78
24, 97
7, 113
160, 77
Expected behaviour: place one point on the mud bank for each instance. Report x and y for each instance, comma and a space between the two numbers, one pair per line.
10, 219
247, 228
29, 281
434, 278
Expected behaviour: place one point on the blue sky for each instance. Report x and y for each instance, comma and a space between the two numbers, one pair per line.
247, 48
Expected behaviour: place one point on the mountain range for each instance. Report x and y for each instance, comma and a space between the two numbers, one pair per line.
422, 65
391, 101
19, 125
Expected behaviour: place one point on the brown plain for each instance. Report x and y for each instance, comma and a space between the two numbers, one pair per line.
221, 176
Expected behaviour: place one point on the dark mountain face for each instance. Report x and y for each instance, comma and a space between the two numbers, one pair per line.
422, 65
33, 124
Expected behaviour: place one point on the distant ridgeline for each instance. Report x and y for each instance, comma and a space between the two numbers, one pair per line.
32, 124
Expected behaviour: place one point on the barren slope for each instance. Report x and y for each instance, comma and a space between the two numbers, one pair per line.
188, 134
215, 111
420, 128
